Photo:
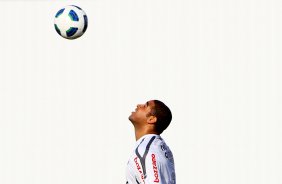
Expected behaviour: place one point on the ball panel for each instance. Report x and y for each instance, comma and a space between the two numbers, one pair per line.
76, 7
60, 12
57, 29
85, 23
71, 31
73, 16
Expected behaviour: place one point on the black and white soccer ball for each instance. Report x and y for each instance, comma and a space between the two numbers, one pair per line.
71, 22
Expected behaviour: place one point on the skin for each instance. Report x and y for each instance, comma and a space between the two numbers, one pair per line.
142, 120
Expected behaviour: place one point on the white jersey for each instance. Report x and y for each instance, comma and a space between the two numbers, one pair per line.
151, 162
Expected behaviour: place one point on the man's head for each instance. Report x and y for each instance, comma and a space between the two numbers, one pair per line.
154, 114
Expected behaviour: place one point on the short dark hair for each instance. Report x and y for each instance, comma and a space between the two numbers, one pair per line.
163, 114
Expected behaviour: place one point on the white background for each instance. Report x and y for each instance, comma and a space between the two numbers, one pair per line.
64, 104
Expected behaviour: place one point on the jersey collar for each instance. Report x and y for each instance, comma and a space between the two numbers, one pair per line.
146, 136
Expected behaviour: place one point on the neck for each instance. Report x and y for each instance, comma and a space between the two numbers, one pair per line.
141, 132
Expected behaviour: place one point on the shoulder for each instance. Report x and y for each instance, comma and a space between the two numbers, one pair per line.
155, 146
161, 150
150, 142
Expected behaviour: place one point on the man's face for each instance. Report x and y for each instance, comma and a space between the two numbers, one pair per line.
141, 113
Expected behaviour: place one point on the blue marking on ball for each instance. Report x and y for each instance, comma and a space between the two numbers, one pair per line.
57, 29
60, 12
73, 15
71, 31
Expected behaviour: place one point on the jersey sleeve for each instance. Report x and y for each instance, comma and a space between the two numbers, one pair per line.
153, 173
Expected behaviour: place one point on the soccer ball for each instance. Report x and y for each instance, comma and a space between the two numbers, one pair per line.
71, 22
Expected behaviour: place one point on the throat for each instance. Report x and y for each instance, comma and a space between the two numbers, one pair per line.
141, 132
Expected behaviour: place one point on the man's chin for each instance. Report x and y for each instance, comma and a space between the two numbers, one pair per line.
130, 118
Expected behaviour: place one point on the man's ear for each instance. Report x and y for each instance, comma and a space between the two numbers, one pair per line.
152, 120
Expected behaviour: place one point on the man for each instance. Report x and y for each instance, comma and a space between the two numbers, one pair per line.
152, 161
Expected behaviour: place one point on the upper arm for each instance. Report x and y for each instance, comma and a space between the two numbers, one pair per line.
160, 168
153, 174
